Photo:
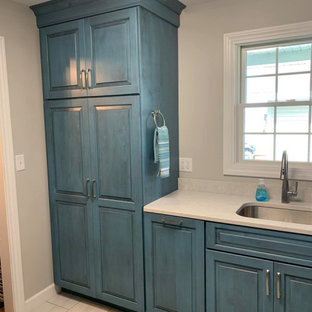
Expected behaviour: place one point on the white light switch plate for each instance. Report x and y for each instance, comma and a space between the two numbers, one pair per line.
186, 164
19, 162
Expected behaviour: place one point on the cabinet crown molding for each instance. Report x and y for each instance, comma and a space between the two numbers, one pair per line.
59, 11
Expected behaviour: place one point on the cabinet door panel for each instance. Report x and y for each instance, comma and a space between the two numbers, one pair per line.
296, 288
168, 268
111, 42
116, 159
117, 257
68, 153
116, 156
62, 50
114, 151
237, 283
72, 231
71, 212
174, 258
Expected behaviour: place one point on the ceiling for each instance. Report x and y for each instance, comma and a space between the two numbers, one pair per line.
33, 2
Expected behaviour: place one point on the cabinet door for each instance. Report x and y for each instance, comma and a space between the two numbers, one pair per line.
62, 53
71, 213
112, 53
117, 200
174, 264
238, 283
295, 288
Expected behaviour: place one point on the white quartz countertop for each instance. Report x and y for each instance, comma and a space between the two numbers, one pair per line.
222, 208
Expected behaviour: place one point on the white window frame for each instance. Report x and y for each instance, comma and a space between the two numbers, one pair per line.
233, 42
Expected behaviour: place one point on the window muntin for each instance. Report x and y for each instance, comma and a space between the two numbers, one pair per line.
276, 102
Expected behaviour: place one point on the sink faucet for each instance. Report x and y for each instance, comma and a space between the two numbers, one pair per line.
286, 194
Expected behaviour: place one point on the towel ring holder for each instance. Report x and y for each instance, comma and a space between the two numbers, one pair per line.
155, 114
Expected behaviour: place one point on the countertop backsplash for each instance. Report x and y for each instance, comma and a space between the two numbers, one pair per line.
246, 188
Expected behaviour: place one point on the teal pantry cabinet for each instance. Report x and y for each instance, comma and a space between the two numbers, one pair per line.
106, 66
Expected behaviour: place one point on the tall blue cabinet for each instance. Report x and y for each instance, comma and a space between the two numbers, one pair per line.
106, 65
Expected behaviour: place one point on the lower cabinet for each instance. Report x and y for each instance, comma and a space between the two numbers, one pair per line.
295, 292
174, 264
240, 275
236, 283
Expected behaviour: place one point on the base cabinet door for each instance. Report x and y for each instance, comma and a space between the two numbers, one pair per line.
238, 283
293, 288
174, 259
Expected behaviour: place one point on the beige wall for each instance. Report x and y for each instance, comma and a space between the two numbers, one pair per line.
201, 71
17, 25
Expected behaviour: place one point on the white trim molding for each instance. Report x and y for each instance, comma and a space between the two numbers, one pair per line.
233, 42
10, 187
41, 297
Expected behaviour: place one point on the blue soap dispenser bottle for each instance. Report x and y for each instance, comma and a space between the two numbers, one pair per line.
262, 192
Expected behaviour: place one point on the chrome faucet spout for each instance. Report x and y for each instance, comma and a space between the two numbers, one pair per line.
286, 194
284, 167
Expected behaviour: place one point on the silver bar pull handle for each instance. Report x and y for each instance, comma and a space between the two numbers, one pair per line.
87, 188
278, 285
267, 282
89, 78
171, 222
83, 79
92, 187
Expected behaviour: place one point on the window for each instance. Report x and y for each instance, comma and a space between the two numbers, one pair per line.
268, 101
276, 101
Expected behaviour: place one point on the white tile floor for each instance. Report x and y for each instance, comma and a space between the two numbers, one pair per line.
65, 302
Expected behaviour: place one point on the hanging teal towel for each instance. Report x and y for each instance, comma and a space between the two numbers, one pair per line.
161, 151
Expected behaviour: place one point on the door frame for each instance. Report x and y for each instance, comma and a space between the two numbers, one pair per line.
10, 191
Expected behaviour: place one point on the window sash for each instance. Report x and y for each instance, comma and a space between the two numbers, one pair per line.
243, 71
276, 103
274, 132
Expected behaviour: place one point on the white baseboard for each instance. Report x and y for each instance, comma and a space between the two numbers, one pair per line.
41, 297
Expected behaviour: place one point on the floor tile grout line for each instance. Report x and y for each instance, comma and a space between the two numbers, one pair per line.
77, 302
59, 306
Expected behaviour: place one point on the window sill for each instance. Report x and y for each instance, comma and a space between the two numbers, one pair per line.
261, 169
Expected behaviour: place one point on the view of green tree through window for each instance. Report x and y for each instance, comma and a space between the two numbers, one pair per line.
276, 102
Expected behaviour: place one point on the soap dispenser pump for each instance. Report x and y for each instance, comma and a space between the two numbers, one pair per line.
262, 192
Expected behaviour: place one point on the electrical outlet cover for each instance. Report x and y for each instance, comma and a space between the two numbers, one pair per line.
186, 164
19, 162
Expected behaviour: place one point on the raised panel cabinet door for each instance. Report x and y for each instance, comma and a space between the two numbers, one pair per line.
237, 283
62, 53
71, 210
117, 200
293, 288
174, 264
112, 53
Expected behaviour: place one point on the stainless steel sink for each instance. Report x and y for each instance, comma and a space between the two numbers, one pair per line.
276, 213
